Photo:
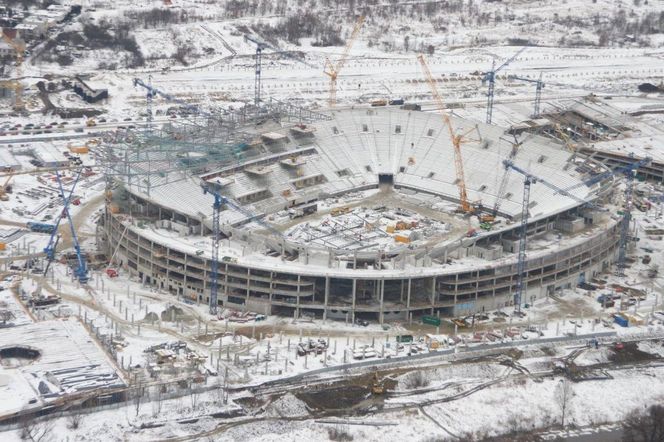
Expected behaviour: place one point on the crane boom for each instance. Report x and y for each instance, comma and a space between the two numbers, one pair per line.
349, 44
539, 85
456, 140
510, 164
220, 201
491, 78
153, 92
332, 71
609, 173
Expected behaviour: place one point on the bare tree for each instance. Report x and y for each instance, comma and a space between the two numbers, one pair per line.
35, 431
157, 400
644, 427
74, 420
139, 392
563, 397
194, 396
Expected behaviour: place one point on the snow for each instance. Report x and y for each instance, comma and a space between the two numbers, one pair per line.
217, 77
592, 356
653, 347
287, 406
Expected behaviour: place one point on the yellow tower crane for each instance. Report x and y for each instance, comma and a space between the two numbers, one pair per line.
567, 140
15, 85
332, 71
457, 139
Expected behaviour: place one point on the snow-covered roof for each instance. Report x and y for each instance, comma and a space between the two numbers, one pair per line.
353, 148
69, 360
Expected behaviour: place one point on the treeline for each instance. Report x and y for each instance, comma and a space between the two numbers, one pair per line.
156, 17
303, 25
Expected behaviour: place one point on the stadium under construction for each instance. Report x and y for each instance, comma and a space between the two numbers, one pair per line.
361, 213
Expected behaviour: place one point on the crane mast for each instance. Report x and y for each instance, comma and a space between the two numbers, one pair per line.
490, 77
456, 139
528, 180
332, 71
220, 203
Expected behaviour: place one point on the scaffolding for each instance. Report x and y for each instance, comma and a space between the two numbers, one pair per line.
146, 158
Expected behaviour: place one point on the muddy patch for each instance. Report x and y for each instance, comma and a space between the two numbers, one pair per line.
336, 398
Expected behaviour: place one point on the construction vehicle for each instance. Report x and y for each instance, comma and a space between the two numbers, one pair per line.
457, 139
81, 270
340, 211
377, 386
41, 227
567, 140
490, 77
332, 71
6, 188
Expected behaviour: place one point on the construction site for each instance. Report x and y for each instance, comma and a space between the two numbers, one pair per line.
346, 264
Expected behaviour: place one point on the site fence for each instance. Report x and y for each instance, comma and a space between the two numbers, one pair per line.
455, 354
100, 400
90, 402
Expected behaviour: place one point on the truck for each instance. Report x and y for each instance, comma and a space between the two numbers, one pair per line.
431, 320
621, 320
40, 227
404, 338
299, 212
339, 211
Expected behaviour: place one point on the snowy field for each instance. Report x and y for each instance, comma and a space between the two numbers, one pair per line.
198, 51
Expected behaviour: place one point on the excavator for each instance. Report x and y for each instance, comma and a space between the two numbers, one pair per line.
377, 387
6, 188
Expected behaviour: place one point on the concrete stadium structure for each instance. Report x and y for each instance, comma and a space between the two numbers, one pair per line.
393, 156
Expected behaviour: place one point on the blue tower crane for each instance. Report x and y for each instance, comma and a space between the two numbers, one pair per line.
490, 77
81, 271
529, 180
539, 85
152, 92
220, 202
260, 47
629, 171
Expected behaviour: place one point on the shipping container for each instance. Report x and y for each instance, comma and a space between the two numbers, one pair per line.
431, 320
621, 321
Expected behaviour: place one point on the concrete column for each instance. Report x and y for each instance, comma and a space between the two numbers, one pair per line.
433, 291
297, 299
327, 296
381, 284
271, 290
225, 280
352, 311
408, 292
